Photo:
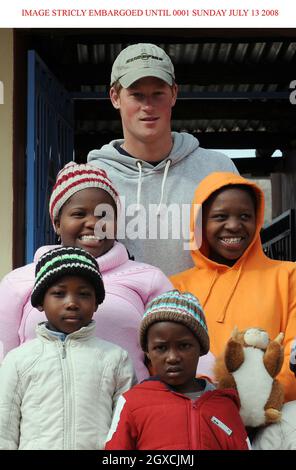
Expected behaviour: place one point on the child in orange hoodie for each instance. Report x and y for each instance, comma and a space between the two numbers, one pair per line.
236, 283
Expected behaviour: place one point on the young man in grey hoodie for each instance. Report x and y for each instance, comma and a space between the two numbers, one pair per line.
155, 170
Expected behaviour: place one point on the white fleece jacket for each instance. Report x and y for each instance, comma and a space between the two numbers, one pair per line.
57, 395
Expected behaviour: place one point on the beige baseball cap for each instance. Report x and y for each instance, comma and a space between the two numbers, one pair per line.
139, 61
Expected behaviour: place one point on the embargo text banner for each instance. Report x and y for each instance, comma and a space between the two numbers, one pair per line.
148, 13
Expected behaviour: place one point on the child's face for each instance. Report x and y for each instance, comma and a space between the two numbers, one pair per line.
229, 225
69, 304
76, 222
174, 353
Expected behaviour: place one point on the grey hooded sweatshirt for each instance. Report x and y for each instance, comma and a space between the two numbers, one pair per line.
155, 200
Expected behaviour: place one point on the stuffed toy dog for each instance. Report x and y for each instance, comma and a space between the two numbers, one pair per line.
250, 364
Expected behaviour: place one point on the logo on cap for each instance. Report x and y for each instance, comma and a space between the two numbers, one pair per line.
143, 56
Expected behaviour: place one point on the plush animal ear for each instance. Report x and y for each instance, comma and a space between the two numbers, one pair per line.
279, 338
235, 333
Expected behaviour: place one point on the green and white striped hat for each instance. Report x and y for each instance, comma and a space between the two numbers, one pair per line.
179, 307
66, 261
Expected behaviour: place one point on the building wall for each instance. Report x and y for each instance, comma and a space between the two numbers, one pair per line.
284, 186
6, 148
265, 185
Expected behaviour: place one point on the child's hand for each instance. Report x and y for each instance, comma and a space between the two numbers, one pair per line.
293, 357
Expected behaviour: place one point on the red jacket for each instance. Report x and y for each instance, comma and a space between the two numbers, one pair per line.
151, 416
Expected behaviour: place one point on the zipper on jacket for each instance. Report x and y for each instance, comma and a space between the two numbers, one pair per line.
63, 350
193, 418
68, 433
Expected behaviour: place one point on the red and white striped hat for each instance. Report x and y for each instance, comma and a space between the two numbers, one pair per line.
73, 178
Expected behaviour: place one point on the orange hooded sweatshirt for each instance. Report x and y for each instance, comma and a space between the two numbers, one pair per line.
255, 292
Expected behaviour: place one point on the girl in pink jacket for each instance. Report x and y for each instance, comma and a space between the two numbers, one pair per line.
80, 192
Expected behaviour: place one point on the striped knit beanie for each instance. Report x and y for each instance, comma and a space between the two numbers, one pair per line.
66, 261
180, 308
73, 178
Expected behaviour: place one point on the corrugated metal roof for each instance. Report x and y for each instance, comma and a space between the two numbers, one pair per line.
224, 52
199, 56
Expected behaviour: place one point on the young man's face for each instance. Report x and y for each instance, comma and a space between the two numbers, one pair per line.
69, 304
145, 109
229, 225
174, 353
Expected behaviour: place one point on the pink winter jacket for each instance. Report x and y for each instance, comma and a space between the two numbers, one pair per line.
129, 287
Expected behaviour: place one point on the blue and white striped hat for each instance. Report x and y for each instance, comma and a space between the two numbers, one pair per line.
179, 307
66, 261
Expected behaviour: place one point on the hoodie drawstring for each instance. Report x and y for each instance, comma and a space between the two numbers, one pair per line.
165, 174
139, 165
166, 170
213, 280
222, 313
